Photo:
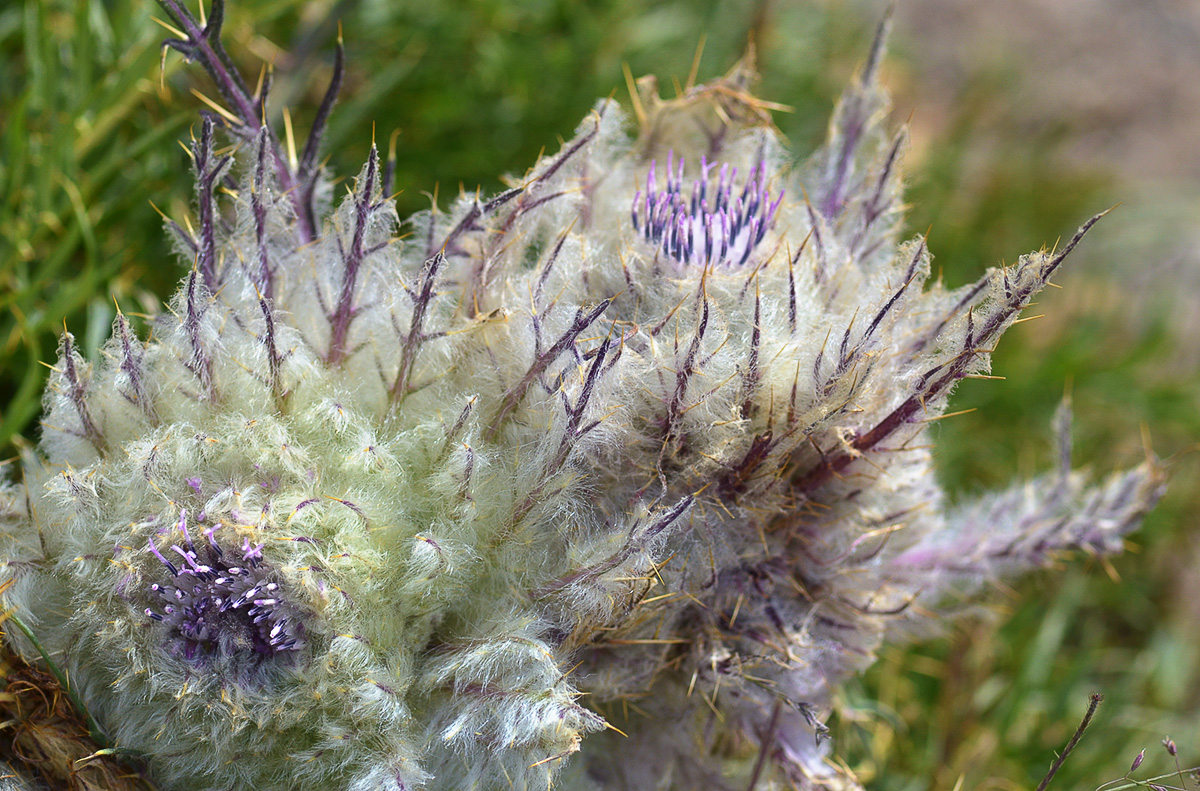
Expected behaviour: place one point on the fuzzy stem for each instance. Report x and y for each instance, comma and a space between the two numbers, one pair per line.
78, 393
353, 259
855, 122
416, 330
932, 385
513, 396
204, 44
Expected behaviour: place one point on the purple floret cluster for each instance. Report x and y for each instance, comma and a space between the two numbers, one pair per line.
717, 224
224, 603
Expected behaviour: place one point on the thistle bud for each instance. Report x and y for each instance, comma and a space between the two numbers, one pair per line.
426, 505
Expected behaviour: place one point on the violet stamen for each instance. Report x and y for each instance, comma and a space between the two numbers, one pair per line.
214, 609
723, 229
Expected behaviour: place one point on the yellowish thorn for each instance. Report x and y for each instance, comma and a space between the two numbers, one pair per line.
174, 31
691, 78
948, 414
634, 96
290, 138
1110, 569
233, 119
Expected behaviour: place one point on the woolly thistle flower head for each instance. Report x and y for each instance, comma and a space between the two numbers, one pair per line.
439, 504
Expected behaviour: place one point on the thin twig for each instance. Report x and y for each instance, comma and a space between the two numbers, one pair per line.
1094, 703
768, 739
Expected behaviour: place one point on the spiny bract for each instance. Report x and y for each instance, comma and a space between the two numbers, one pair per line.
636, 444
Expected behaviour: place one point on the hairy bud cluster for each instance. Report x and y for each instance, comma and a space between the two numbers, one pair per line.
535, 493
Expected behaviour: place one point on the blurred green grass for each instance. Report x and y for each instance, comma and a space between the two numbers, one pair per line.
475, 89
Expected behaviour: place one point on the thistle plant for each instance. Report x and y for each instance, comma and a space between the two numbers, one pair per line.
605, 482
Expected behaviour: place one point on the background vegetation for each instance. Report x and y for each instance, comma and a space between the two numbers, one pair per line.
89, 116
